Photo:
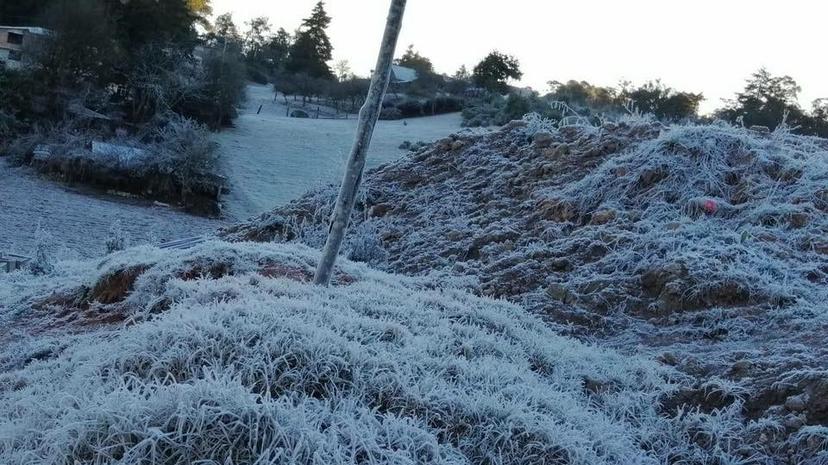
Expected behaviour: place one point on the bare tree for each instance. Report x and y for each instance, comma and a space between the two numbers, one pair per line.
368, 116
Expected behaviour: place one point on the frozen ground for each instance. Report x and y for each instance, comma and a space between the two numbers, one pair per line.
704, 246
80, 222
272, 159
269, 159
225, 354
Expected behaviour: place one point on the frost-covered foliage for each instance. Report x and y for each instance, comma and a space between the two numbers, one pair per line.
228, 357
698, 244
44, 247
117, 239
173, 160
185, 149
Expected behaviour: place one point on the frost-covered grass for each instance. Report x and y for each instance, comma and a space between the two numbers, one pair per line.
271, 159
702, 245
242, 366
80, 223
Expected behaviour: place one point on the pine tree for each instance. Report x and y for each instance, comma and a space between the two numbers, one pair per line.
312, 48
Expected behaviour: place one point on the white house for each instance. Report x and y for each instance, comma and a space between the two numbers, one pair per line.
15, 40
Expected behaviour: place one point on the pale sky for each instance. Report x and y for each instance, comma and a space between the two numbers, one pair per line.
708, 46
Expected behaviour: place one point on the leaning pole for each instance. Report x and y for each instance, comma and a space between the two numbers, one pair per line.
368, 116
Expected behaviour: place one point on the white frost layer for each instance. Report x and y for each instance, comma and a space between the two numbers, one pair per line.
249, 369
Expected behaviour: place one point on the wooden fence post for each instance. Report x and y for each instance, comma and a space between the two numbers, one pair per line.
368, 116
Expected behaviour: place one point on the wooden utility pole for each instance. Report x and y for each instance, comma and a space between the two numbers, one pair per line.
368, 116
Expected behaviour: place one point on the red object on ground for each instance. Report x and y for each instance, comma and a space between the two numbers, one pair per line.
710, 206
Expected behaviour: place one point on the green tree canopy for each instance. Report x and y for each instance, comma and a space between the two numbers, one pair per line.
663, 102
412, 59
154, 22
582, 94
769, 100
256, 37
494, 71
277, 49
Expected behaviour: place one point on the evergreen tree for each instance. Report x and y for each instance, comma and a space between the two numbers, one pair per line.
23, 12
225, 27
156, 23
312, 48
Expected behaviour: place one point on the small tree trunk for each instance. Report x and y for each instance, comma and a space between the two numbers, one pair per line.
368, 116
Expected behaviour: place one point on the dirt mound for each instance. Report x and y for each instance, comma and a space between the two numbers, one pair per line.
703, 245
132, 286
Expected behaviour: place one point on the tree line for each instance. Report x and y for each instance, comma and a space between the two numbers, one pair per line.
144, 49
298, 65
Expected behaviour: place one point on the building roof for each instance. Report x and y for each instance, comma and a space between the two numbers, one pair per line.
29, 29
401, 74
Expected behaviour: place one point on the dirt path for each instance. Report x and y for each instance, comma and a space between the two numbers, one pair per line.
80, 222
271, 159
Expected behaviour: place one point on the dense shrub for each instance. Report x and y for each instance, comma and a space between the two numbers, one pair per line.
494, 110
483, 111
410, 108
175, 162
413, 108
441, 105
221, 88
186, 151
257, 74
390, 113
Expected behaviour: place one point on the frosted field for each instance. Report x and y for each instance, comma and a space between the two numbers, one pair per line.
269, 159
250, 364
79, 222
272, 159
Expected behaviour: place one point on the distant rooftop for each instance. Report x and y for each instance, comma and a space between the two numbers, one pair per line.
29, 29
401, 74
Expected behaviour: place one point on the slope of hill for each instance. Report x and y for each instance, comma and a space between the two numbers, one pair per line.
704, 246
271, 159
225, 355
80, 221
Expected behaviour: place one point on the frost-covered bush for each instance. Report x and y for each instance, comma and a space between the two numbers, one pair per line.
410, 108
483, 112
186, 150
42, 256
365, 245
251, 367
117, 239
59, 139
390, 114
495, 110
175, 162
